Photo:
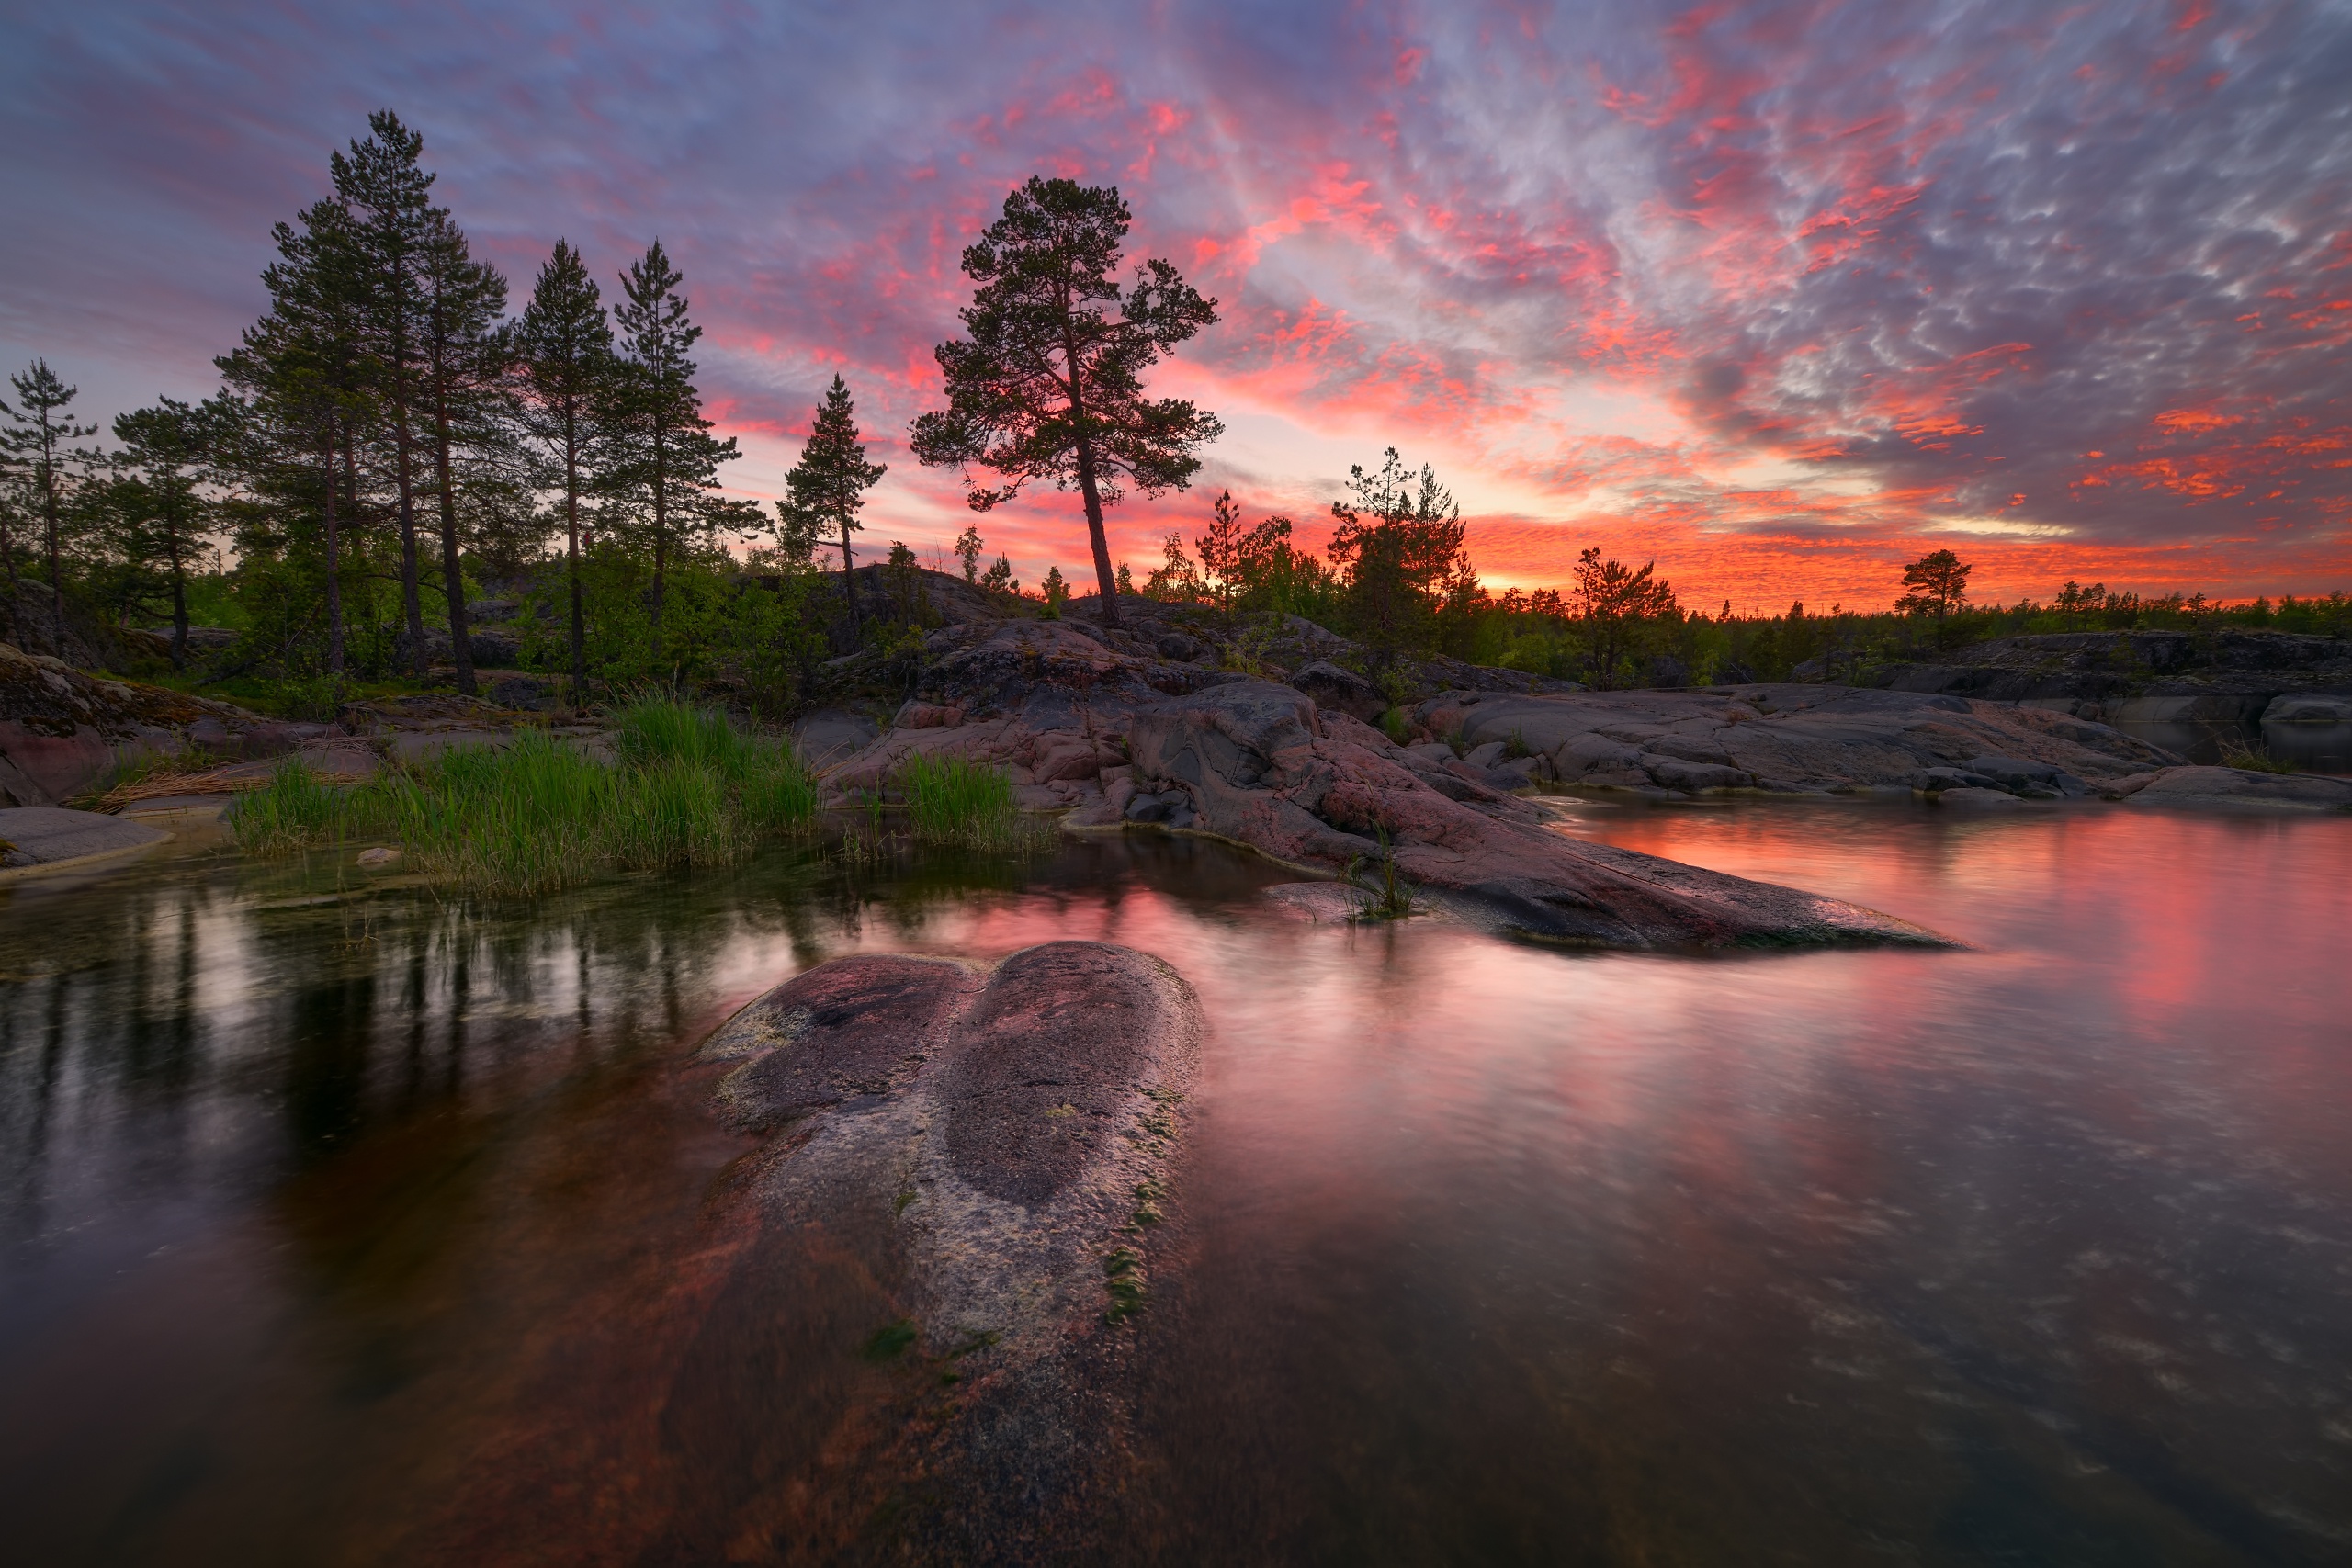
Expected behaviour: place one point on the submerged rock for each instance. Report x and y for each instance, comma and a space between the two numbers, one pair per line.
48, 838
981, 1149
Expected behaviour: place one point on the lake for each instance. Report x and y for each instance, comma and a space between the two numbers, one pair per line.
346, 1224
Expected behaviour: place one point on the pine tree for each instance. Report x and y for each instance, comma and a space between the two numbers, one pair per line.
394, 225
39, 443
967, 550
159, 508
299, 384
1049, 383
828, 486
1400, 537
668, 458
464, 352
565, 367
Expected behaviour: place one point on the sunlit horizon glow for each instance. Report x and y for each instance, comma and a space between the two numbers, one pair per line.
1780, 295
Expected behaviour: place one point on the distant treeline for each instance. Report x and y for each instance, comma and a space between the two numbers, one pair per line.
389, 448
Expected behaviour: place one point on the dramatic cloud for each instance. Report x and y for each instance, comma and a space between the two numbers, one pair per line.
1781, 294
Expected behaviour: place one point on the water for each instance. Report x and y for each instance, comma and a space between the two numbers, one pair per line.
353, 1227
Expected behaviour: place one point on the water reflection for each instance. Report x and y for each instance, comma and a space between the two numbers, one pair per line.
348, 1223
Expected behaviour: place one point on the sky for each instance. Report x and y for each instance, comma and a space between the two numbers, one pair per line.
1780, 295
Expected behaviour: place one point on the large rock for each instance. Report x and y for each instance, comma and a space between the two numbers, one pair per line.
2226, 674
62, 729
1341, 691
1256, 763
47, 838
979, 1152
1793, 738
2309, 707
2245, 788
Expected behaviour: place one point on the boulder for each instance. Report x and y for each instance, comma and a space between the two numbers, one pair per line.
2309, 707
1341, 691
62, 730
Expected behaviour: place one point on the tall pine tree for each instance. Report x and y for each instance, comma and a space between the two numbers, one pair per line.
1050, 385
827, 487
301, 383
564, 369
669, 459
463, 348
38, 441
394, 227
160, 510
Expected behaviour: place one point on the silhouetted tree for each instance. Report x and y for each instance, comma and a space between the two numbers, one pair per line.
565, 370
827, 487
1936, 584
1398, 537
1615, 602
464, 352
1049, 383
668, 460
37, 443
158, 508
393, 230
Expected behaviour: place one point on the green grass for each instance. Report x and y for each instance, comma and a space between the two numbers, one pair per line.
535, 814
290, 812
2256, 756
951, 800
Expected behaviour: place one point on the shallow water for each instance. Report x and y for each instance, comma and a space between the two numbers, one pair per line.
345, 1225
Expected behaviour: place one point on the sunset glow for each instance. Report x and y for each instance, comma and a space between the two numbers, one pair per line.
1781, 295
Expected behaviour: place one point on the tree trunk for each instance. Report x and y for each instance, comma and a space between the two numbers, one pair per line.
452, 580
56, 580
661, 533
334, 574
171, 540
849, 582
410, 601
1086, 485
572, 556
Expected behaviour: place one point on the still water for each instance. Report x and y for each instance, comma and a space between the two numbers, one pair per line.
345, 1225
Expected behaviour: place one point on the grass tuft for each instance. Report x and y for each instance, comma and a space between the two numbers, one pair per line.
296, 808
2253, 756
951, 800
539, 814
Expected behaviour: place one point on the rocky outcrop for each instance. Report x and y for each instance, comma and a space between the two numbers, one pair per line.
2230, 673
1256, 763
63, 730
38, 839
2238, 789
988, 1148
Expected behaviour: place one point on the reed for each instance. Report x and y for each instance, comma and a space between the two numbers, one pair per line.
952, 800
295, 809
536, 815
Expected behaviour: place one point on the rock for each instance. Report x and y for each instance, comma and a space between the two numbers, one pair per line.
62, 730
1341, 691
1970, 798
978, 1153
2229, 674
2309, 707
2245, 788
1799, 738
47, 838
1487, 755
379, 856
1252, 764
829, 734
